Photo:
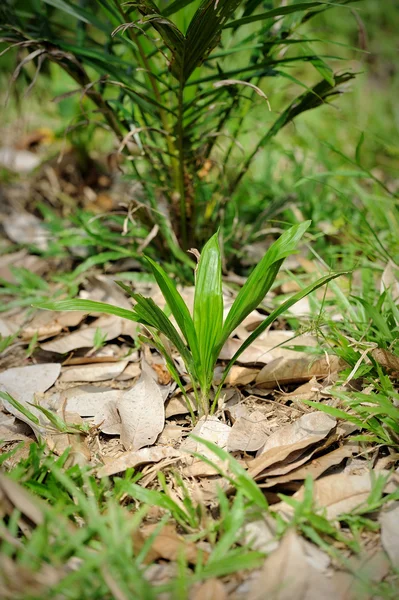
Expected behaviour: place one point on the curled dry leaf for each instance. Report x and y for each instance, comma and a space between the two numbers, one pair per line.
142, 413
100, 405
293, 441
311, 425
130, 460
389, 520
289, 572
315, 467
282, 371
94, 372
237, 375
210, 429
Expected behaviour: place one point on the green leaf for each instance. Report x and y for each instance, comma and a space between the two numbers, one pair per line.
89, 306
177, 306
22, 409
272, 317
79, 13
275, 12
261, 279
208, 306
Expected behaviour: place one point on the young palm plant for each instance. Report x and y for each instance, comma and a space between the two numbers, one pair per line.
176, 82
203, 334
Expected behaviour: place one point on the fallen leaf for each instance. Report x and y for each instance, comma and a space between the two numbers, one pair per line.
95, 372
19, 581
389, 520
248, 433
130, 460
46, 324
363, 571
213, 430
282, 371
142, 413
237, 375
296, 439
169, 545
289, 573
24, 228
386, 359
110, 326
22, 383
212, 589
311, 425
33, 263
315, 467
19, 161
13, 495
176, 406
339, 493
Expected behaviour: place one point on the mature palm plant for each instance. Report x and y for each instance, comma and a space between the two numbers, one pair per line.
174, 81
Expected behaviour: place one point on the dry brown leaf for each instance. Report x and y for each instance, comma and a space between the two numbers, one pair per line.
142, 413
282, 371
249, 432
95, 372
311, 425
12, 429
386, 359
98, 404
13, 495
290, 452
212, 589
33, 263
288, 573
176, 406
307, 391
22, 383
46, 324
169, 545
339, 493
314, 468
110, 326
237, 375
135, 459
389, 520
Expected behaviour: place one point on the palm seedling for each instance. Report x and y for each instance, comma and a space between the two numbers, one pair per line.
203, 334
179, 83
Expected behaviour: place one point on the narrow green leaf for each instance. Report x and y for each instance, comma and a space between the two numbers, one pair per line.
261, 279
177, 306
89, 306
275, 12
86, 16
208, 305
21, 407
272, 317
